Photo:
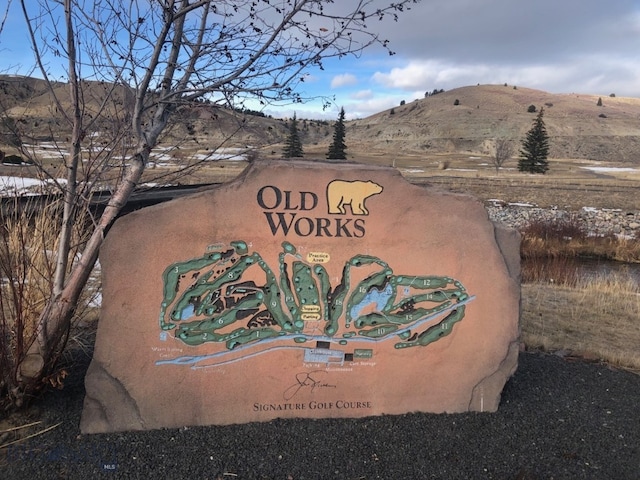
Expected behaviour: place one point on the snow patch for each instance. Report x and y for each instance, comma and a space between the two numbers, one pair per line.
612, 169
23, 185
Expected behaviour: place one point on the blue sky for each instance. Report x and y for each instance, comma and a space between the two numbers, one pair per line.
560, 46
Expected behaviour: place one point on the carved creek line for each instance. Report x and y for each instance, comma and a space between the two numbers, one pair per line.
242, 354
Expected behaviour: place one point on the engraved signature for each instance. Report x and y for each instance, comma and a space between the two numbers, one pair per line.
306, 380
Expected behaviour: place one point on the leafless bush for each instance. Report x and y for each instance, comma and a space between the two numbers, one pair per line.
559, 229
503, 152
28, 238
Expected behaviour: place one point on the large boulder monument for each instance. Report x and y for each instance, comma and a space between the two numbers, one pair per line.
303, 289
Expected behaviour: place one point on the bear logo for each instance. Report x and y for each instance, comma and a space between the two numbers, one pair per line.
353, 193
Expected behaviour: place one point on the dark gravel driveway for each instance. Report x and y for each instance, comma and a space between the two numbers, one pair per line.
559, 419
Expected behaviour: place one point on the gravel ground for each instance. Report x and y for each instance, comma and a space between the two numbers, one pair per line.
560, 418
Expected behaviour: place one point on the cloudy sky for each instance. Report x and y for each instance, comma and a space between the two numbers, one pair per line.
560, 46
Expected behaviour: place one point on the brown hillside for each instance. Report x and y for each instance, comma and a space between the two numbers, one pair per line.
577, 126
28, 103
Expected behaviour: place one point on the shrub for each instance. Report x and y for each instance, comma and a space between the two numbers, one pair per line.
456, 102
28, 237
557, 270
599, 102
558, 229
531, 109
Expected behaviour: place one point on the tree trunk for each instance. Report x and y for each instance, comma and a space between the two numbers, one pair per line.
70, 191
56, 317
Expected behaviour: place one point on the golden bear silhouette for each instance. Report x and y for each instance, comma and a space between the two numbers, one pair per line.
353, 193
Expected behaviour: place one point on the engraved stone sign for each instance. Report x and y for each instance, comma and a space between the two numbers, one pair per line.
303, 289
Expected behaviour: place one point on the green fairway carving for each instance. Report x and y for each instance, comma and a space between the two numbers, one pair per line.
216, 298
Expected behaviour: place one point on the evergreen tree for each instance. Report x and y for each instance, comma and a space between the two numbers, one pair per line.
535, 148
293, 147
337, 147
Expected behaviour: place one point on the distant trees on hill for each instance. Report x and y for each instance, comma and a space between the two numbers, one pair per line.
254, 113
434, 92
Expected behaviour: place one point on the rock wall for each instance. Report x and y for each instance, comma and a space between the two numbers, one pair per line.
595, 221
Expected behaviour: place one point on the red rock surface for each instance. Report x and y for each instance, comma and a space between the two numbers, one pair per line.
303, 289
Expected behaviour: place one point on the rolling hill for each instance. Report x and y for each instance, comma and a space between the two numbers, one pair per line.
469, 119
465, 120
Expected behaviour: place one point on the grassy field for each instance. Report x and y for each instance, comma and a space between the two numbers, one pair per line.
570, 184
598, 320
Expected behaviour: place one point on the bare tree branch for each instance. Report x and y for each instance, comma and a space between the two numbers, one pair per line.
5, 15
164, 55
502, 152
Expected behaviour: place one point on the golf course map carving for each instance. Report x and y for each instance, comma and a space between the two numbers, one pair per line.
303, 289
218, 306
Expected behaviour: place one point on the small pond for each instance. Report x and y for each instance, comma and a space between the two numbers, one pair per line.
577, 268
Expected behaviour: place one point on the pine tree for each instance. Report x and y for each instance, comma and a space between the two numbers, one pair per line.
337, 147
293, 147
535, 148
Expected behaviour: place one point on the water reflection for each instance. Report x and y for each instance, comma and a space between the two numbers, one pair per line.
569, 271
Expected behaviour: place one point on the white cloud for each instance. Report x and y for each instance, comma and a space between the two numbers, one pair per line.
588, 74
343, 80
371, 106
362, 95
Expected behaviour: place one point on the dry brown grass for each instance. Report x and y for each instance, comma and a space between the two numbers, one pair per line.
28, 241
567, 185
569, 238
596, 319
609, 247
26, 266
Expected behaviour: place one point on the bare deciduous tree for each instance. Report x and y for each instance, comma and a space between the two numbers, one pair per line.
503, 152
153, 57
